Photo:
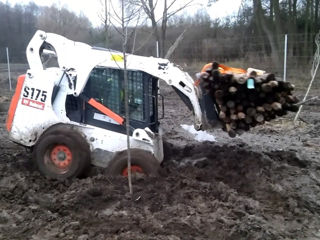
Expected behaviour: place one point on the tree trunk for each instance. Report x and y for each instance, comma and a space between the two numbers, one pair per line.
316, 14
306, 29
292, 28
271, 10
163, 29
277, 23
149, 10
262, 23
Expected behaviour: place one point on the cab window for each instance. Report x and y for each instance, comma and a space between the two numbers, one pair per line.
106, 85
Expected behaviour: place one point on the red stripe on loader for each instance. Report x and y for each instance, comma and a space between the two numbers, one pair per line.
14, 102
106, 111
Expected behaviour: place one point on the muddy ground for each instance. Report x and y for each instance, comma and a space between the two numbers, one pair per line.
261, 185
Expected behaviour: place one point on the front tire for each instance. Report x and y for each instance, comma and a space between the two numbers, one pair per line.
142, 162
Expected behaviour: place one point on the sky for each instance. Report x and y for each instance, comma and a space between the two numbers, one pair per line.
92, 8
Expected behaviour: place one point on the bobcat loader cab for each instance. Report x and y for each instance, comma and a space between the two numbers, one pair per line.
69, 107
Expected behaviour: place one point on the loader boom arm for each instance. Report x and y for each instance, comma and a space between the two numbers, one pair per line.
83, 58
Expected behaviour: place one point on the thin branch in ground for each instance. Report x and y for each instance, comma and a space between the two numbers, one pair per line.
126, 92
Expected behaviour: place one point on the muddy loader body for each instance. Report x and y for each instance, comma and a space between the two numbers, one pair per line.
69, 107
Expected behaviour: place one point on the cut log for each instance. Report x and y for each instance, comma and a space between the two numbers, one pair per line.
227, 120
230, 131
260, 109
282, 100
222, 115
248, 120
240, 78
223, 108
276, 106
251, 112
233, 90
234, 117
267, 107
204, 76
265, 87
273, 84
232, 111
270, 77
231, 104
219, 101
233, 125
288, 86
259, 118
292, 99
241, 115
290, 107
218, 94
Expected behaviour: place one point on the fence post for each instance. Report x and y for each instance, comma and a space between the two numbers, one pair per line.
285, 58
157, 49
9, 72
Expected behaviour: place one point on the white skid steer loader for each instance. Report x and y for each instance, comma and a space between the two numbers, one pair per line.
69, 107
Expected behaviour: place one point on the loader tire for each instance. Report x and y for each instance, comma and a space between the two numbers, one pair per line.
142, 162
68, 129
62, 155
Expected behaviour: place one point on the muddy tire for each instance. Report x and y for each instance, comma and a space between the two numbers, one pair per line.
68, 129
141, 162
62, 155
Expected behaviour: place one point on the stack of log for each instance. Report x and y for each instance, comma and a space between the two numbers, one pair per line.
241, 106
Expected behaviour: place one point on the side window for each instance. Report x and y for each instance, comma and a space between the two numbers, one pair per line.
136, 96
106, 85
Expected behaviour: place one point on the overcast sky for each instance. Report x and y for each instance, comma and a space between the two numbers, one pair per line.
91, 8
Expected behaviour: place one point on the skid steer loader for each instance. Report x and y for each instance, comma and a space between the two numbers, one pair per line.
69, 107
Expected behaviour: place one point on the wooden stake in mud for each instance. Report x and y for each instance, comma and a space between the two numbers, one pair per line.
126, 95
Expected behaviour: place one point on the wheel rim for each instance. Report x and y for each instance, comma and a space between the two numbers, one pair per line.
135, 169
59, 158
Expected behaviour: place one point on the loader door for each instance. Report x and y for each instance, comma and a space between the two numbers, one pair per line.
106, 85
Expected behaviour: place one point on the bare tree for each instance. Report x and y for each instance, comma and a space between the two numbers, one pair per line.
104, 16
64, 22
159, 23
17, 25
261, 23
126, 89
111, 20
124, 19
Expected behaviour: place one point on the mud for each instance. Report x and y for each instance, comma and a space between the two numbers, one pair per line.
264, 184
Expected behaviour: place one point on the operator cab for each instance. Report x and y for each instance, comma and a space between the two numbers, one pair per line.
106, 86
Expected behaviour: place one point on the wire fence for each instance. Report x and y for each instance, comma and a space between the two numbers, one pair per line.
11, 66
291, 58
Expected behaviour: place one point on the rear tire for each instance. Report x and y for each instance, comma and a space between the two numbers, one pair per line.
61, 154
141, 162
